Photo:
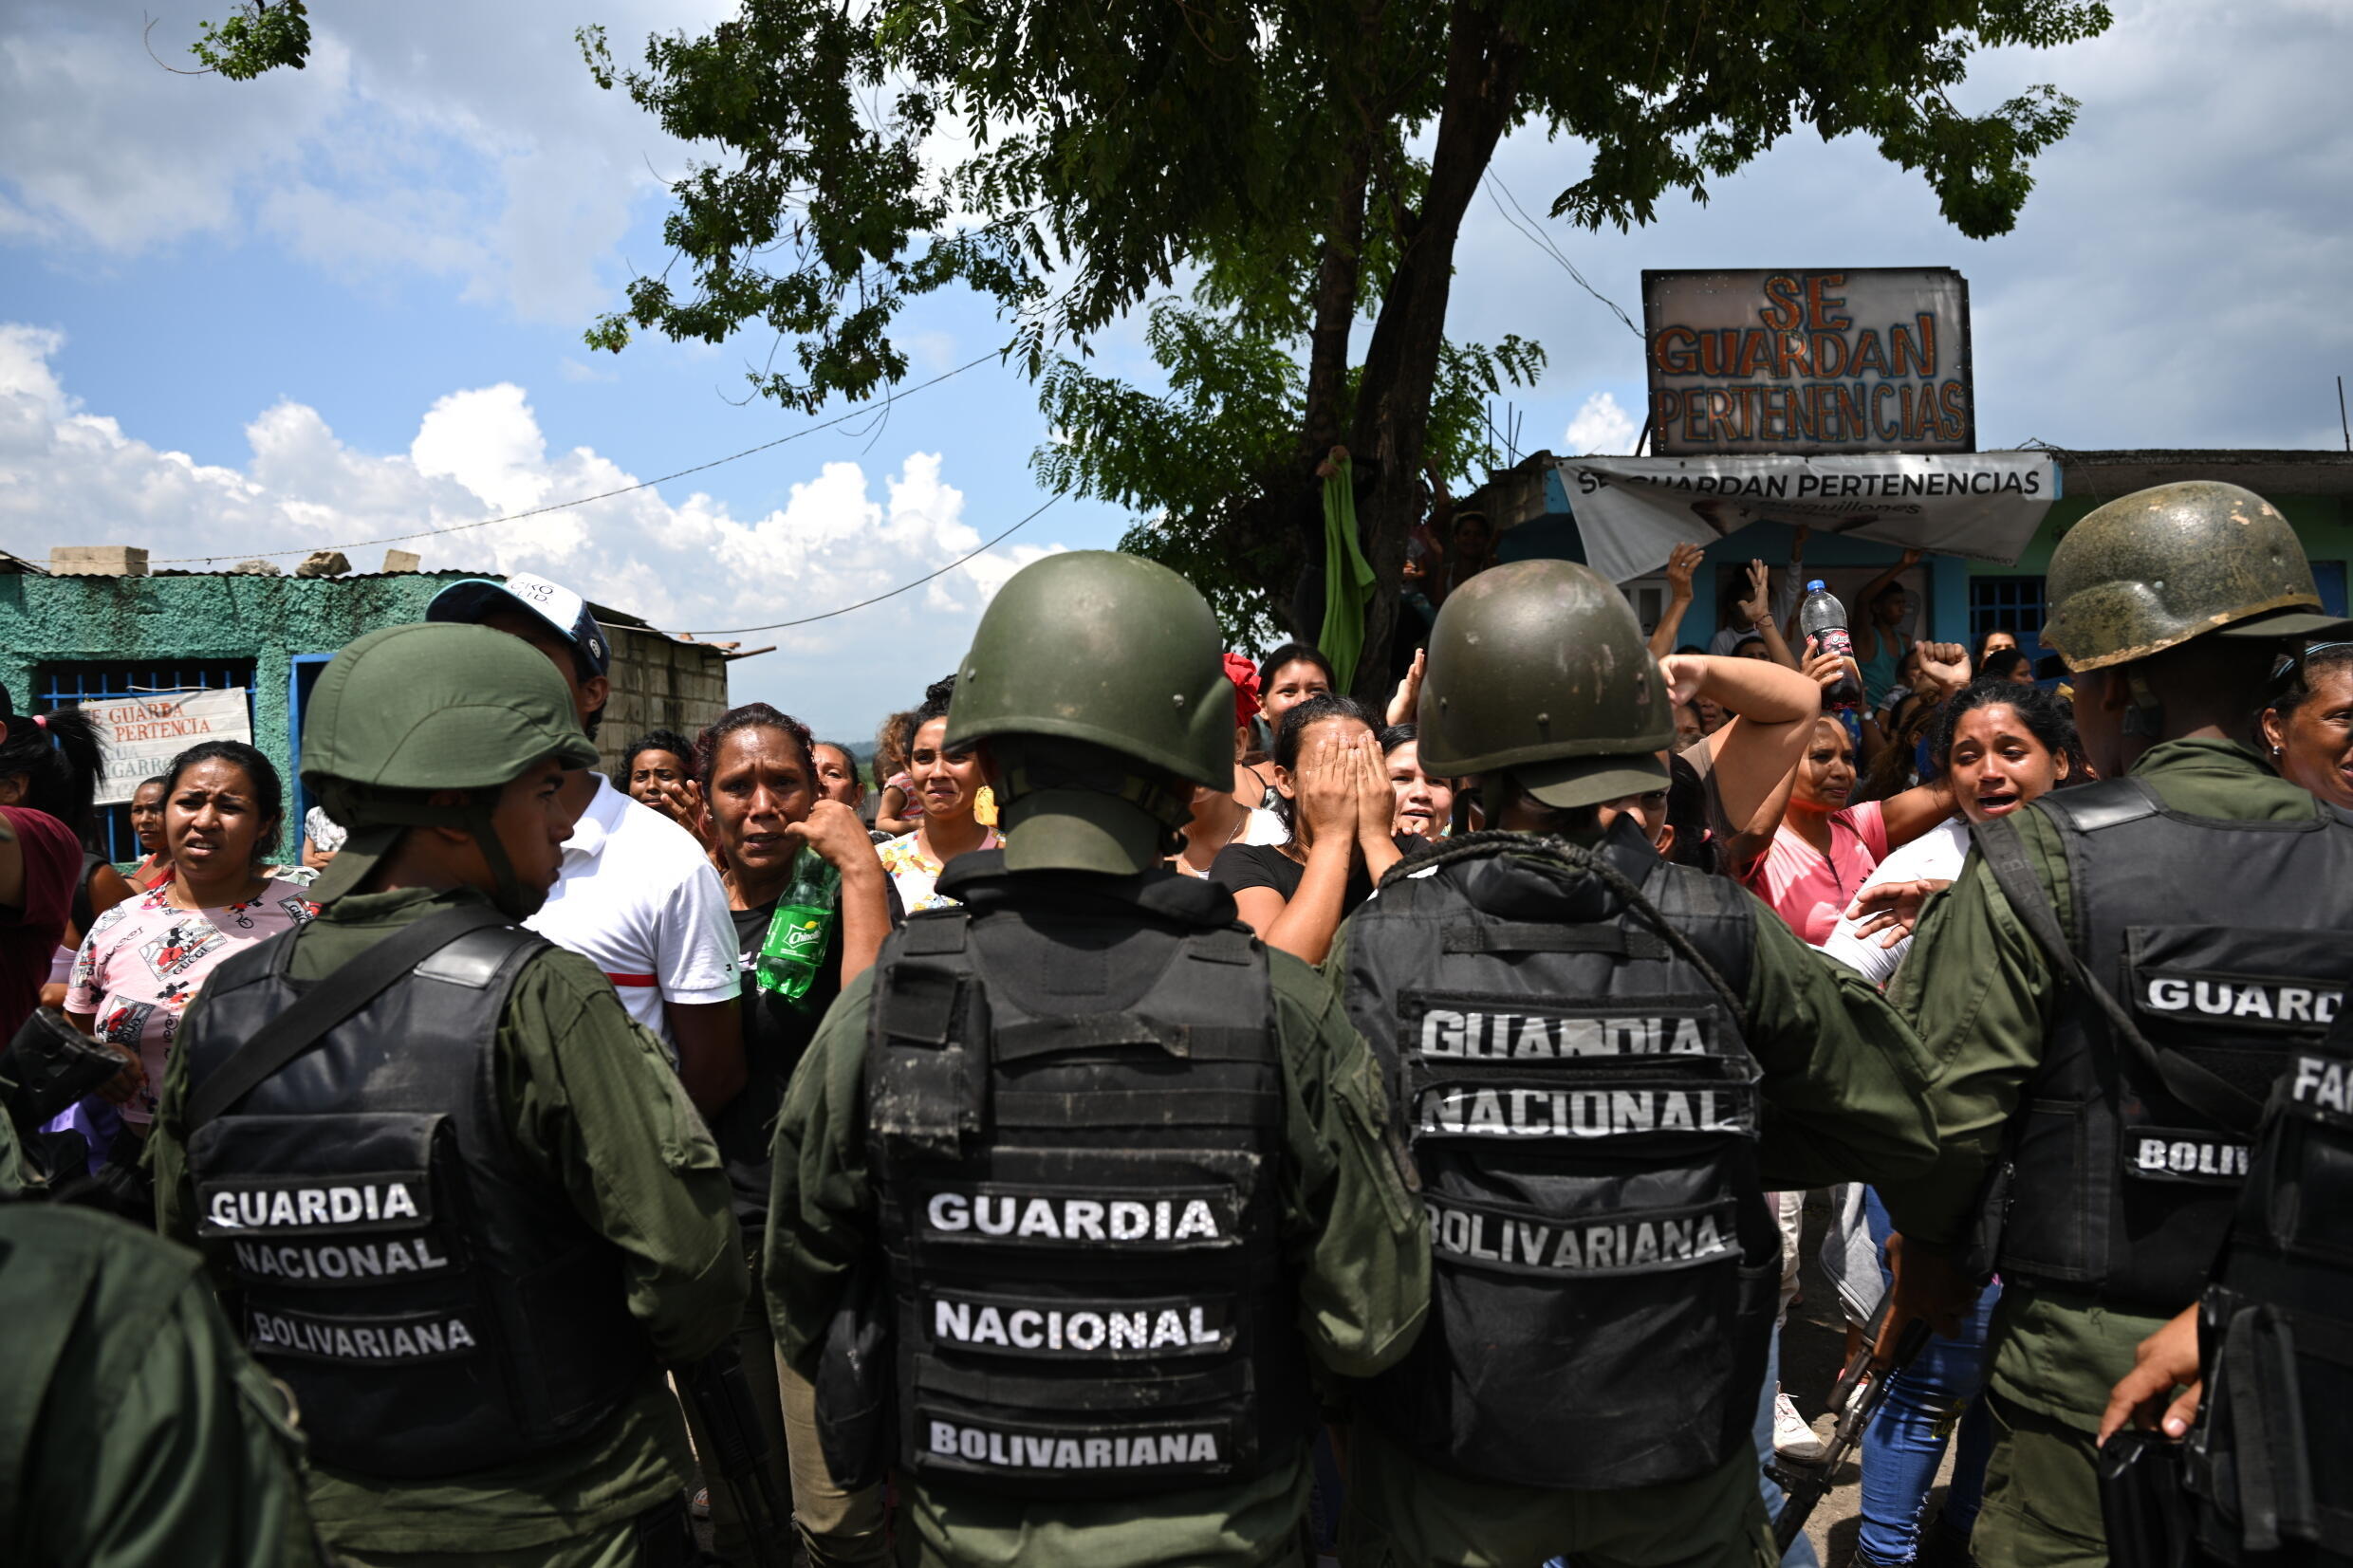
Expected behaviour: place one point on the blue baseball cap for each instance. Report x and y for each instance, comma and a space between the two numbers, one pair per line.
565, 612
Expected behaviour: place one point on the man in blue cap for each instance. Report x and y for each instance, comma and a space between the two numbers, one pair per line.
636, 894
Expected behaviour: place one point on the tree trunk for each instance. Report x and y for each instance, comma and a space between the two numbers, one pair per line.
1483, 68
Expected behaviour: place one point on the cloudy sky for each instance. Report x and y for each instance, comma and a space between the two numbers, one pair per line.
346, 303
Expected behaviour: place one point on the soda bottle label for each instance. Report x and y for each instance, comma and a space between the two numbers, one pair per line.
1833, 639
804, 939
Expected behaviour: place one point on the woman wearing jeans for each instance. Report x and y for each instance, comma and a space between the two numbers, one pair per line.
1905, 1442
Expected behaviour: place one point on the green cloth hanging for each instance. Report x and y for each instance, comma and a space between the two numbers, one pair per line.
1348, 579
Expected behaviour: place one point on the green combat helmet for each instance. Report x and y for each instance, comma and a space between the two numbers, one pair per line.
409, 710
2174, 562
1539, 670
1097, 680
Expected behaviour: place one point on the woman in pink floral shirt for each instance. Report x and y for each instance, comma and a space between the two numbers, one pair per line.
143, 960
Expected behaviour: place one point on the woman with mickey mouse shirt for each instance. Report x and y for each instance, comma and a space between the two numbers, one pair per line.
143, 960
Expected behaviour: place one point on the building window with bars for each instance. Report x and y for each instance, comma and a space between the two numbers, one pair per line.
72, 685
2012, 604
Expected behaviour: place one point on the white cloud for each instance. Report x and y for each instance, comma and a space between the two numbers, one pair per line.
1600, 428
68, 475
464, 143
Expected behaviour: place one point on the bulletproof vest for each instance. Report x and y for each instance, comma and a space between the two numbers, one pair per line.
434, 1303
2267, 1459
1583, 1108
2227, 943
1076, 1128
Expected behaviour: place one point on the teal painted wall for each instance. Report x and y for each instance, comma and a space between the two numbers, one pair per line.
225, 615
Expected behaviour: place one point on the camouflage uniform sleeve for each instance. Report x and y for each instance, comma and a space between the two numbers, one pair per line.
1844, 1076
820, 1219
173, 1448
165, 1158
592, 1098
1355, 1229
1979, 990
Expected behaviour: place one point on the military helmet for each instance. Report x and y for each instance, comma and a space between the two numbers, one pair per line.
408, 709
1539, 669
2162, 566
1104, 648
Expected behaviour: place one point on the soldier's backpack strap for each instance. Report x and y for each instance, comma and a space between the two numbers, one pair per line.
329, 1001
2196, 1086
927, 1062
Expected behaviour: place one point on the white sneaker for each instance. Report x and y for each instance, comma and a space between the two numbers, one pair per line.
1793, 1438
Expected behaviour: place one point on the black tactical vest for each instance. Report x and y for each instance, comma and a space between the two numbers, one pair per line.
1583, 1111
1076, 1130
2228, 941
2267, 1460
436, 1305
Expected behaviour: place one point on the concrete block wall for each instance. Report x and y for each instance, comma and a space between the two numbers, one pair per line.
658, 684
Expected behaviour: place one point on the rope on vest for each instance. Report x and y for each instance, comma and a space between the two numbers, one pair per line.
1490, 842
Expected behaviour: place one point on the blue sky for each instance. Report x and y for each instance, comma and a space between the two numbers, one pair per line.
347, 302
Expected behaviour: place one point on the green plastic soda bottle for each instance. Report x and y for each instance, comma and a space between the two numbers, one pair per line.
800, 930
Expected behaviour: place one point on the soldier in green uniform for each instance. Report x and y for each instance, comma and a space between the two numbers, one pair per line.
1604, 1062
2112, 984
464, 1210
1125, 1171
135, 1432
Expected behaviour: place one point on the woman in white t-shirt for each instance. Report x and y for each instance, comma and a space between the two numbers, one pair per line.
2001, 745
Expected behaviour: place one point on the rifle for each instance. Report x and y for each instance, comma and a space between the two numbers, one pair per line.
738, 1451
1804, 1482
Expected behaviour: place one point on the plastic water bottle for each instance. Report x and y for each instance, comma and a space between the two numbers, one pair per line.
794, 949
1824, 619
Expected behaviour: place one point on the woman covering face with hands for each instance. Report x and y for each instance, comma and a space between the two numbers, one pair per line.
1334, 788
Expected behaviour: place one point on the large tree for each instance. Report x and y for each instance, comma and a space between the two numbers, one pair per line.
1261, 176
